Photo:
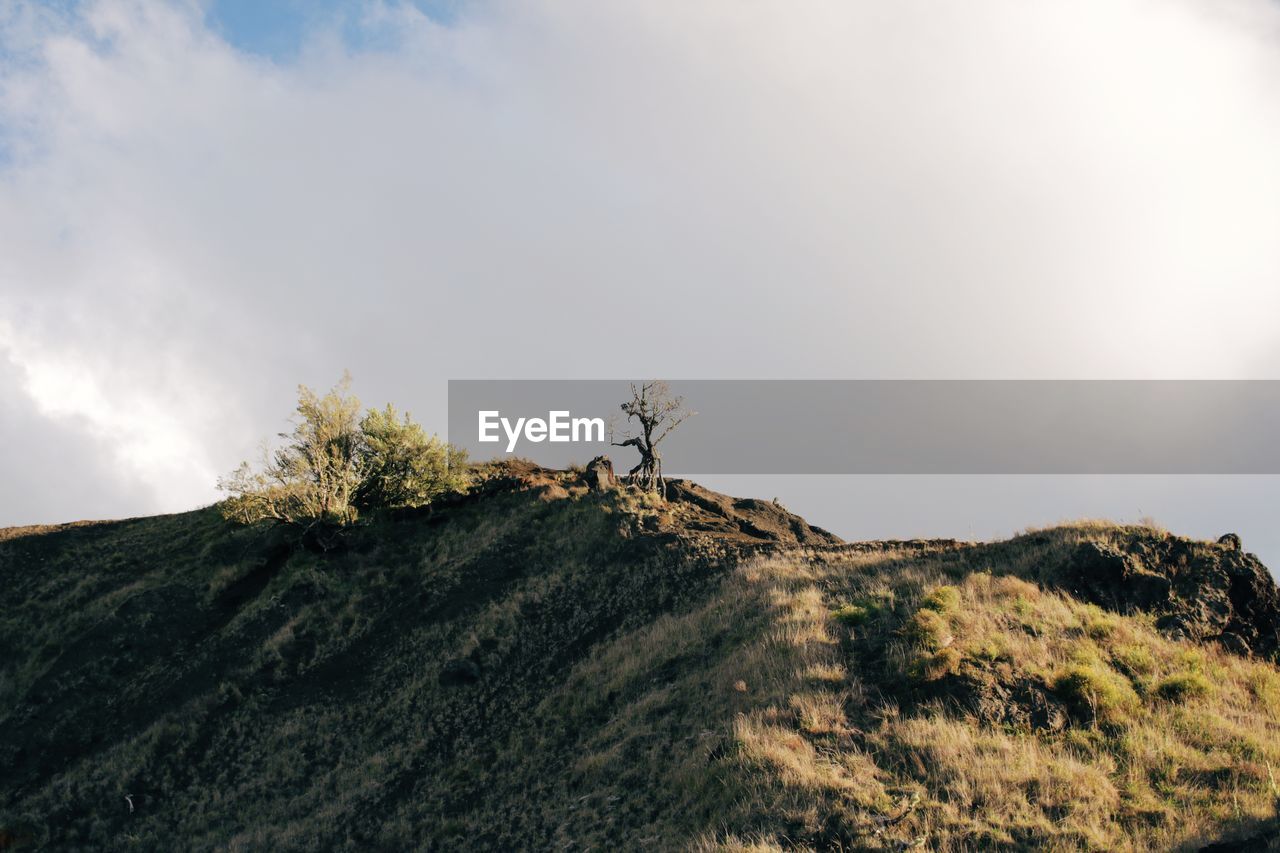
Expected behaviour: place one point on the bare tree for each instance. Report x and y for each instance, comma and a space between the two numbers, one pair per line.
656, 413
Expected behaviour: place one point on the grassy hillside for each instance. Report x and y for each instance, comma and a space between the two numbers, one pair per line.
544, 667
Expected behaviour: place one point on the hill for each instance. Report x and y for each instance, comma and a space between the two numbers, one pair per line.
544, 665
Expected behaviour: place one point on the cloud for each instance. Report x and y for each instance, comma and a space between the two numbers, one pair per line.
56, 468
993, 189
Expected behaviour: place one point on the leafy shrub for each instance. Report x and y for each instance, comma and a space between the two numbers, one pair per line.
403, 466
314, 476
334, 463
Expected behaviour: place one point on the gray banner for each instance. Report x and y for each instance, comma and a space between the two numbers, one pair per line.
891, 426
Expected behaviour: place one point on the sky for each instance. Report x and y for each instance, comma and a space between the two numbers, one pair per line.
204, 204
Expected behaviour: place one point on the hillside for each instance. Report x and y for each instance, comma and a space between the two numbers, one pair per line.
542, 665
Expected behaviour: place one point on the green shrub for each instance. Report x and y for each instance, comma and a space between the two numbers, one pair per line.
859, 611
314, 476
851, 614
944, 600
1183, 686
929, 629
1096, 692
335, 463
403, 466
932, 667
1134, 659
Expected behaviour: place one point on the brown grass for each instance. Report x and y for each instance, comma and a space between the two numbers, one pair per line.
1169, 745
632, 697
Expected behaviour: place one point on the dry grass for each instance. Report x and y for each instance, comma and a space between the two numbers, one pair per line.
1168, 745
633, 698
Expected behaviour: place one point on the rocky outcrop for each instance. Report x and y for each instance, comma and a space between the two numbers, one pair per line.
599, 474
1001, 699
748, 519
1198, 591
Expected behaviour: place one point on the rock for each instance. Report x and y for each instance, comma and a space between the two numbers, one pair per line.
459, 671
1023, 704
744, 519
1040, 710
1116, 580
599, 474
1234, 643
1197, 591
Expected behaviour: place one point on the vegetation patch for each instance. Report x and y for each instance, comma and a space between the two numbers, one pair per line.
929, 629
1135, 660
862, 610
336, 463
639, 674
943, 600
1183, 686
936, 665
1097, 693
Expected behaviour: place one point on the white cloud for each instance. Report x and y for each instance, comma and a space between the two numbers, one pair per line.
998, 188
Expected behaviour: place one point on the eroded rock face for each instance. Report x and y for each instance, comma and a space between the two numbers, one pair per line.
1198, 591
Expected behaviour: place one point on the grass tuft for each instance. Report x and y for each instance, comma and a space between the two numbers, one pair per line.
1097, 693
1182, 687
